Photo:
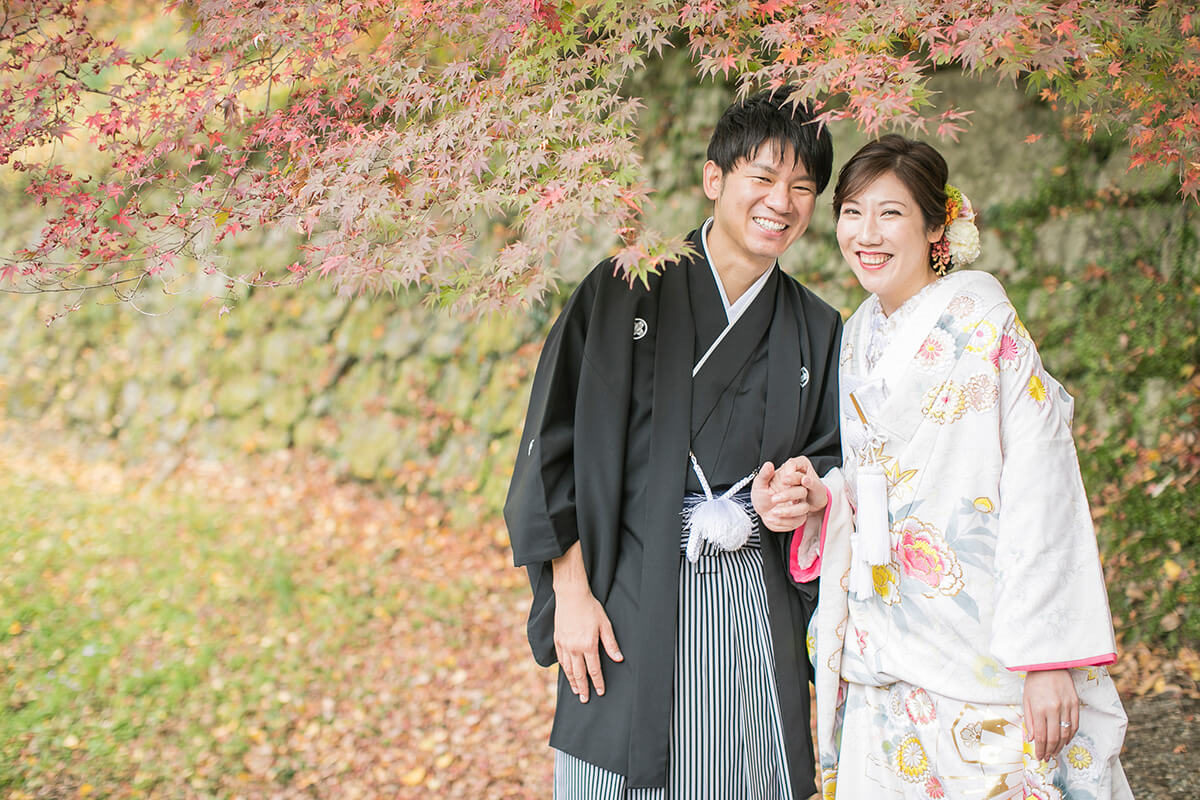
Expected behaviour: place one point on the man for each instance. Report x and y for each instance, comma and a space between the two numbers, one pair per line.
683, 669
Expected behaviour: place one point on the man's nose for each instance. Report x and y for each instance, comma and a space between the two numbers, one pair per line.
779, 198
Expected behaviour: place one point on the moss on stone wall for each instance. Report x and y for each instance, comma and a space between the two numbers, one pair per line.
1101, 263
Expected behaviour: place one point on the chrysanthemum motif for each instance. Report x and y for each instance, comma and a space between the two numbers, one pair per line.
1037, 389
933, 788
887, 583
1079, 757
962, 305
982, 337
919, 706
911, 761
936, 351
982, 392
944, 403
987, 671
1006, 353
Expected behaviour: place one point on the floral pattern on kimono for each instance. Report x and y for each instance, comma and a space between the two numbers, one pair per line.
994, 567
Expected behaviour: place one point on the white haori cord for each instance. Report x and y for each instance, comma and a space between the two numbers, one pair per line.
722, 520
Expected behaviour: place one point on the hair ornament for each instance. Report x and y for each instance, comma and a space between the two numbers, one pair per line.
959, 244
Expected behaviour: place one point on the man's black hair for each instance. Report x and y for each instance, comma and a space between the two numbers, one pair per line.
769, 117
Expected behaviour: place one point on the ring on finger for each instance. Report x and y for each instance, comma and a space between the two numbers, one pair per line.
1064, 724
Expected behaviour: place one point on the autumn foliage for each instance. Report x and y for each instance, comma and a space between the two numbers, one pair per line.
458, 145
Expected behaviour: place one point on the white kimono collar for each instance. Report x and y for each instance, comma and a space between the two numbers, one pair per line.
733, 311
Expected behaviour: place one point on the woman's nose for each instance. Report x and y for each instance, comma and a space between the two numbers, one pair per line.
868, 232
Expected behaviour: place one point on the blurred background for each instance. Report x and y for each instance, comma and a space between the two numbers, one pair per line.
259, 553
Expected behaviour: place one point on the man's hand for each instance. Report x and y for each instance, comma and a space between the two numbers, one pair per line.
785, 497
579, 623
1050, 701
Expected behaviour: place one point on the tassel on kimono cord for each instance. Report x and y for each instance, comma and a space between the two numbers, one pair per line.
722, 520
871, 542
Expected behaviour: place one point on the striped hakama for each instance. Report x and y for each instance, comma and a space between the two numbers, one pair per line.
726, 728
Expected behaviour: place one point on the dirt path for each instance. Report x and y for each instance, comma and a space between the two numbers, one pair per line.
1162, 747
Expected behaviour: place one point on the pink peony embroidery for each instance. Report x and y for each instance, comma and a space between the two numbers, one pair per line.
923, 555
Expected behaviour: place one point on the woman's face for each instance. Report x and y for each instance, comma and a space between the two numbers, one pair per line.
883, 238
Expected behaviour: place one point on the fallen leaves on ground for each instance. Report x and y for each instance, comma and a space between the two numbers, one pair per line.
422, 687
352, 643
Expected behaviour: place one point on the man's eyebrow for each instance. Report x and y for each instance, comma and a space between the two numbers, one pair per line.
769, 167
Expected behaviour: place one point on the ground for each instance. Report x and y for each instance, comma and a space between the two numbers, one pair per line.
260, 628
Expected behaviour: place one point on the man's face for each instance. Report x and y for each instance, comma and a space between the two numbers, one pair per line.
761, 206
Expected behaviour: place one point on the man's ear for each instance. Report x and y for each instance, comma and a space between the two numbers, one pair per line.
713, 177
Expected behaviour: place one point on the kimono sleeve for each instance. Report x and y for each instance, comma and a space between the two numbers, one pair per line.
1050, 599
539, 510
824, 448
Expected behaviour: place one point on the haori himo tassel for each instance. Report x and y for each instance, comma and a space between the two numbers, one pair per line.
871, 542
722, 521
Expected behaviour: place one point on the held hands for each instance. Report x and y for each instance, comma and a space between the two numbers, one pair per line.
785, 497
579, 625
1050, 701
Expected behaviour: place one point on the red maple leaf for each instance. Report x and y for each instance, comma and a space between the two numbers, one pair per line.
121, 219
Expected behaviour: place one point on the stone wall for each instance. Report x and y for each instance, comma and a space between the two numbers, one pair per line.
1102, 264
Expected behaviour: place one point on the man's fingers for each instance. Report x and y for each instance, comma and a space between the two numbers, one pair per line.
580, 669
790, 496
766, 473
592, 660
564, 663
609, 640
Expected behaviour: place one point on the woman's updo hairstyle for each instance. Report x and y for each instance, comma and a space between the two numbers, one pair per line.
918, 166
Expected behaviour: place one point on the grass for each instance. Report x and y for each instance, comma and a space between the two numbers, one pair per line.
144, 632
242, 635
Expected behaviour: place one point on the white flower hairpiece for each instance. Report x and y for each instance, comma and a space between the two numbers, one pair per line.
959, 244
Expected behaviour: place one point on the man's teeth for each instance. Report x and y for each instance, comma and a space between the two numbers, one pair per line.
769, 224
873, 259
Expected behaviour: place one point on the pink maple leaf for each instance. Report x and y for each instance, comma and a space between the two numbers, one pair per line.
121, 219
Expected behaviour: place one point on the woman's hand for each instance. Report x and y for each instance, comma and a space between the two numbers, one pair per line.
1051, 710
785, 497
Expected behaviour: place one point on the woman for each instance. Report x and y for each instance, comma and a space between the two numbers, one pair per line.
963, 624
